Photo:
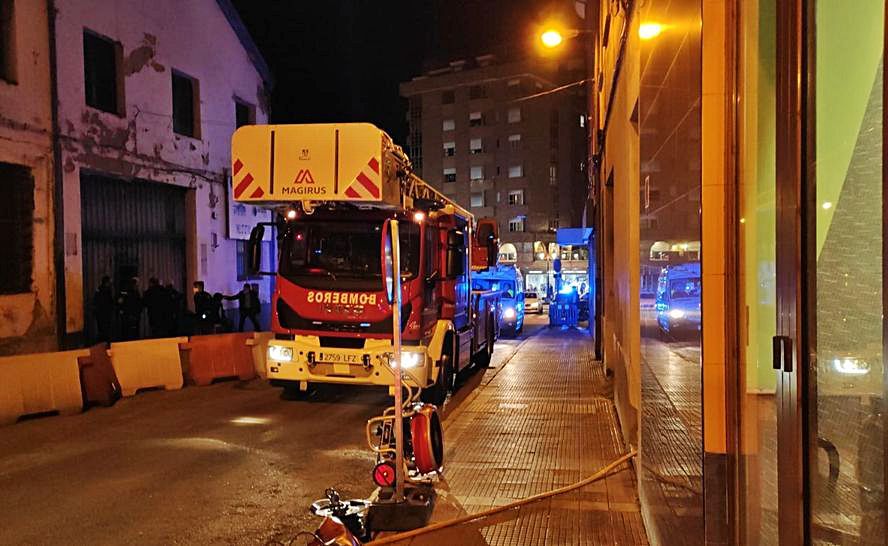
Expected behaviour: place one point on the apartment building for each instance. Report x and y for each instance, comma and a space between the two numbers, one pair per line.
494, 135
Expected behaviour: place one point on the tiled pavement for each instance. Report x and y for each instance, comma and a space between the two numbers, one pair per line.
545, 420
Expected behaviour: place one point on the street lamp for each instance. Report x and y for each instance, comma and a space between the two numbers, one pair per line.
552, 36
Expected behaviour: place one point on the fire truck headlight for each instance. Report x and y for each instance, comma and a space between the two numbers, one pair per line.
509, 313
676, 314
281, 354
411, 360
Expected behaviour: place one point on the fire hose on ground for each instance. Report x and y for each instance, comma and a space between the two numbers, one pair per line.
600, 474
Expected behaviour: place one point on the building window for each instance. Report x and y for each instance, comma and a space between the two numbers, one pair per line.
477, 173
516, 171
515, 143
7, 42
582, 120
477, 92
516, 197
450, 174
475, 146
516, 224
553, 175
448, 97
475, 119
241, 260
415, 137
448, 125
16, 228
101, 74
514, 115
186, 102
449, 149
478, 199
244, 113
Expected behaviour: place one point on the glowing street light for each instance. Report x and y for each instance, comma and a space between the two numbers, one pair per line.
551, 38
649, 31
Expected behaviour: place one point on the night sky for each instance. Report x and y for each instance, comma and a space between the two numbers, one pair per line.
342, 60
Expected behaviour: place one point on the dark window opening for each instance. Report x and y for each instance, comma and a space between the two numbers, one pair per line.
477, 92
16, 229
244, 114
185, 101
100, 72
7, 42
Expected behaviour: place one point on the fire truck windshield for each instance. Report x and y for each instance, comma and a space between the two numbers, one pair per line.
315, 253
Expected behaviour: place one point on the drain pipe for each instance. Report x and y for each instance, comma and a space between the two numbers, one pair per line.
58, 194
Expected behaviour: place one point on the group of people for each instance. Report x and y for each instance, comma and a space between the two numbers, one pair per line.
118, 317
210, 314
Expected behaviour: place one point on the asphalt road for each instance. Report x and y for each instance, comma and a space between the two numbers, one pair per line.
231, 463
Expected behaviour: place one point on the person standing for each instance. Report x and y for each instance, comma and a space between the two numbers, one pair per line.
129, 309
247, 304
103, 309
203, 308
158, 308
174, 310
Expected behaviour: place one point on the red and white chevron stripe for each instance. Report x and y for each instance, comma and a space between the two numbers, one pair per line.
362, 187
246, 181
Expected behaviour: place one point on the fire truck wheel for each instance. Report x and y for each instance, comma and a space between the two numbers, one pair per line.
482, 358
437, 393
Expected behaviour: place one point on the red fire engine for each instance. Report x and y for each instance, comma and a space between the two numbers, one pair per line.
332, 188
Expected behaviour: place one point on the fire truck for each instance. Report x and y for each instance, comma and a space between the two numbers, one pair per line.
332, 188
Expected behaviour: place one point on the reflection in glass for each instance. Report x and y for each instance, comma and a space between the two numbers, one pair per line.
669, 128
846, 469
757, 232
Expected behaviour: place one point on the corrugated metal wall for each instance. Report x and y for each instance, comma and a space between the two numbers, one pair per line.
130, 229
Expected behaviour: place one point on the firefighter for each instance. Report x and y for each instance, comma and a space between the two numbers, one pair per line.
219, 321
203, 308
103, 309
248, 306
156, 302
174, 309
129, 310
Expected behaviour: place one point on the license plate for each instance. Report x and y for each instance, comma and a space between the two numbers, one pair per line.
338, 358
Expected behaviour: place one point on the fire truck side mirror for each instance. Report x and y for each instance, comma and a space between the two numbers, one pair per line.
387, 260
254, 250
456, 254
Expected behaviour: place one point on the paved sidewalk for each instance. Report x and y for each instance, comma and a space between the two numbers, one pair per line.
544, 420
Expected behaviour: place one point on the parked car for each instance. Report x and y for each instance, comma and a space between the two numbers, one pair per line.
533, 303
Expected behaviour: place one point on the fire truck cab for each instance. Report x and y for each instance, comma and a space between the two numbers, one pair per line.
333, 187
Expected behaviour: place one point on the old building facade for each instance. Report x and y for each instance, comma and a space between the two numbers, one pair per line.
147, 97
27, 270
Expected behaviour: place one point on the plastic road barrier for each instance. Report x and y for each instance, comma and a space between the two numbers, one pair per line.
40, 383
259, 345
97, 377
147, 363
219, 355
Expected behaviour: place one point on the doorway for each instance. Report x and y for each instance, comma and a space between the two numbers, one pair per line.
130, 229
